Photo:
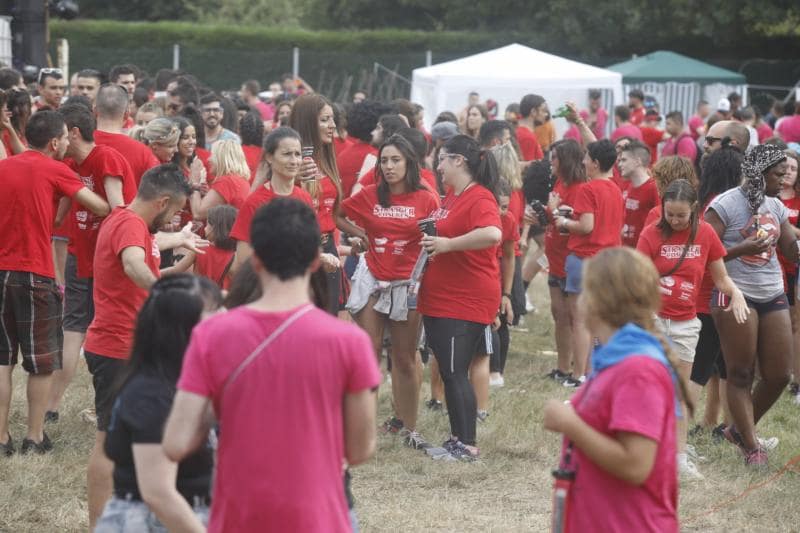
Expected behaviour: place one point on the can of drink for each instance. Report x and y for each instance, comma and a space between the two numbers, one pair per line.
427, 226
307, 151
565, 212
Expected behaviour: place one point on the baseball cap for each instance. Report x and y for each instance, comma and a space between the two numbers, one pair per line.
724, 105
443, 131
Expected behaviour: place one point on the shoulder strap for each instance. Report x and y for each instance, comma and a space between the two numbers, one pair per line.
225, 272
264, 344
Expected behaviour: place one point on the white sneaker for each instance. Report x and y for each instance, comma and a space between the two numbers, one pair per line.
497, 381
768, 444
529, 306
797, 399
687, 469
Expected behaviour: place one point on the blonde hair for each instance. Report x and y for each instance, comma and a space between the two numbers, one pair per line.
508, 164
151, 107
162, 131
137, 134
227, 157
621, 285
671, 168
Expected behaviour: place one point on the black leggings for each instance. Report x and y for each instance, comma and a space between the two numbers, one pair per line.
454, 343
497, 363
334, 279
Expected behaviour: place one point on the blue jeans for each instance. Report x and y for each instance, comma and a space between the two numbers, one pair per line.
134, 516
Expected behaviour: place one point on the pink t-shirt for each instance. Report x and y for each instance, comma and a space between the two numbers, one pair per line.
627, 130
789, 129
696, 122
634, 396
281, 448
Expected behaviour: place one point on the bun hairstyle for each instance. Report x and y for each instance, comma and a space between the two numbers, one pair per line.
481, 164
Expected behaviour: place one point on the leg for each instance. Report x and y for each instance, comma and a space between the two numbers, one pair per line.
711, 414
60, 259
73, 341
559, 307
372, 322
6, 389
479, 377
406, 368
580, 337
774, 359
739, 347
531, 266
99, 480
499, 356
38, 392
437, 385
795, 310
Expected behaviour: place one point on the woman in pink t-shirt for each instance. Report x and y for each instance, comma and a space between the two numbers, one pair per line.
618, 459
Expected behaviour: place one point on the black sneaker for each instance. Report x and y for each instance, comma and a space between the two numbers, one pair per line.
393, 425
460, 451
573, 382
434, 405
557, 375
794, 389
43, 447
51, 417
697, 430
717, 434
8, 449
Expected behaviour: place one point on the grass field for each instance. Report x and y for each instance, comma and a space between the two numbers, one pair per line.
404, 490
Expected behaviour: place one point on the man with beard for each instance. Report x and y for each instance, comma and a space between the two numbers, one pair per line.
211, 107
126, 264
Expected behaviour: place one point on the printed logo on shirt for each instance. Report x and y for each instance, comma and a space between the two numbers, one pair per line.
394, 211
439, 214
675, 251
632, 204
154, 251
763, 222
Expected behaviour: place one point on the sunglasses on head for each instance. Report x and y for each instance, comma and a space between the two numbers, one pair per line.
53, 72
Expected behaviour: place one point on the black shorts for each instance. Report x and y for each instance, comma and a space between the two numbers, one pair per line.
30, 322
105, 373
708, 358
78, 298
557, 282
779, 303
448, 335
791, 288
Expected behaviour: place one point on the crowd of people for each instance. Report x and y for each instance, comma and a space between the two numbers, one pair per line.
235, 267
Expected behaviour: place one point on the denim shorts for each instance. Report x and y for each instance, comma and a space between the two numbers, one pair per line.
134, 516
574, 268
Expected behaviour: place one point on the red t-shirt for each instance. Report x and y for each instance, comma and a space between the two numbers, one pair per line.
117, 299
555, 243
653, 216
340, 145
529, 144
139, 156
789, 129
7, 142
683, 145
695, 123
291, 483
680, 289
31, 185
652, 137
101, 162
634, 396
637, 115
516, 206
324, 203
428, 179
253, 156
793, 205
393, 232
510, 233
627, 130
350, 162
764, 132
638, 203
707, 285
234, 189
213, 263
463, 285
263, 195
604, 199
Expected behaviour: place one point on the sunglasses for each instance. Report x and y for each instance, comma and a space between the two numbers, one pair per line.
442, 157
53, 72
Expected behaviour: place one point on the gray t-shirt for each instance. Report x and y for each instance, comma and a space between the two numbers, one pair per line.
758, 276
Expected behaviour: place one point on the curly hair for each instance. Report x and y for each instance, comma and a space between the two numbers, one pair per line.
671, 168
721, 171
363, 117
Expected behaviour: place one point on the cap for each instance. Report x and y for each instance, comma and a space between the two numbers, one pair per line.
724, 105
652, 114
443, 131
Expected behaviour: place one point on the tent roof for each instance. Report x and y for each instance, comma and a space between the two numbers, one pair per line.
513, 63
663, 66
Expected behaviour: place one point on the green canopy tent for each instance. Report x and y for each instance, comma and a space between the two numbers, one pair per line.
678, 82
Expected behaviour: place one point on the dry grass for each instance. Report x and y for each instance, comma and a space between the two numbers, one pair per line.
400, 489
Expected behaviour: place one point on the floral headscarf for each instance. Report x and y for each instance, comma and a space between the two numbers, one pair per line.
757, 161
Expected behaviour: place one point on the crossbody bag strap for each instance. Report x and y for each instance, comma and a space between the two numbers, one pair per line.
264, 344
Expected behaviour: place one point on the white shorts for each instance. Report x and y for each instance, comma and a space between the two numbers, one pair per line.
683, 334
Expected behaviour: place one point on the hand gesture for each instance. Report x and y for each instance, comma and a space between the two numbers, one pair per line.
191, 241
197, 172
329, 262
435, 245
308, 170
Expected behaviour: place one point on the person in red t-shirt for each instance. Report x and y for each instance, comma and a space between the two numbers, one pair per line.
667, 170
595, 223
697, 122
790, 198
680, 141
622, 125
460, 294
619, 429
570, 173
641, 194
386, 281
251, 128
231, 185
34, 183
652, 135
282, 153
13, 124
106, 172
161, 135
362, 118
126, 264
111, 108
532, 107
636, 105
682, 248
215, 263
417, 140
318, 373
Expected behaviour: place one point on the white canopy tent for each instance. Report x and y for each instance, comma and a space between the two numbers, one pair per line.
507, 74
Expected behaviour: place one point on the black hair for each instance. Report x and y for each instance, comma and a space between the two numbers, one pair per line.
230, 115
78, 116
446, 116
404, 107
538, 181
570, 161
528, 103
412, 177
680, 190
222, 218
418, 142
340, 118
148, 84
503, 188
676, 116
140, 96
166, 179
43, 127
111, 100
19, 104
80, 100
91, 73
186, 92
622, 112
604, 153
190, 116
286, 76
492, 130
285, 237
252, 86
721, 170
245, 287
251, 129
480, 163
391, 124
120, 70
163, 328
273, 140
594, 94
210, 97
9, 78
636, 93
164, 76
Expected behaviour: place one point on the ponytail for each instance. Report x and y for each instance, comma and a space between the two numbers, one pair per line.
481, 164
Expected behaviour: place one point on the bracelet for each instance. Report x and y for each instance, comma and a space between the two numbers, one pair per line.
507, 295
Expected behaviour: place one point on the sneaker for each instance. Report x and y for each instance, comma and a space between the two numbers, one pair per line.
442, 453
414, 440
573, 382
434, 405
794, 389
529, 305
462, 452
393, 425
51, 417
497, 381
717, 434
557, 375
733, 436
29, 445
8, 449
483, 415
696, 431
687, 469
757, 457
768, 444
693, 455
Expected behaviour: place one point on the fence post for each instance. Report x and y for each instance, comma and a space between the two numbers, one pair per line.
176, 56
428, 58
296, 62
